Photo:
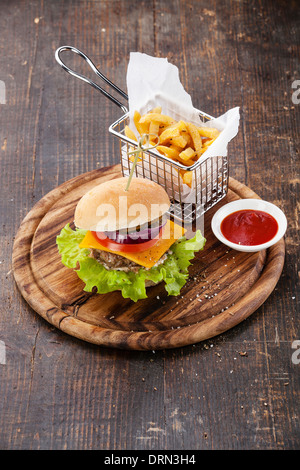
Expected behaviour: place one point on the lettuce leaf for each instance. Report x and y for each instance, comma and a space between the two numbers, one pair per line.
174, 270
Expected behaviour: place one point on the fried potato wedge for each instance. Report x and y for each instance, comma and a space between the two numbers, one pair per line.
129, 133
209, 132
187, 177
161, 118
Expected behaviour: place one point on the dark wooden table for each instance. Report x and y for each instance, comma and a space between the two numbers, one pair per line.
239, 390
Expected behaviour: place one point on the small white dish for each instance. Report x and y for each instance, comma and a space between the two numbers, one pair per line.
254, 204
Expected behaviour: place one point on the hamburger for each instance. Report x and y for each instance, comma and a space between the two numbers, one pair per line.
124, 240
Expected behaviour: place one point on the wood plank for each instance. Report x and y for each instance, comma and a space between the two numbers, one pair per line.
229, 53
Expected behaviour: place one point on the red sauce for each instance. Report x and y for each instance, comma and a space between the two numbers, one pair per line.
249, 227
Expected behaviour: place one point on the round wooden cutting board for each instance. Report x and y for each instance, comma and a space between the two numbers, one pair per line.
224, 287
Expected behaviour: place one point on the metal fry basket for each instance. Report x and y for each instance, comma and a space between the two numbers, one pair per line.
209, 174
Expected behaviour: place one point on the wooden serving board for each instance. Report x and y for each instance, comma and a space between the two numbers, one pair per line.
224, 287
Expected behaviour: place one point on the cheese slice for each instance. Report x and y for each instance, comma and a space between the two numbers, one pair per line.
147, 258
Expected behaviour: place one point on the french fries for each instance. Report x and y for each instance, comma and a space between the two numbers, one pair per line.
129, 133
181, 141
187, 177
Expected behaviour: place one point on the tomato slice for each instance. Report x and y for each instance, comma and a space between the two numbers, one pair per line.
123, 247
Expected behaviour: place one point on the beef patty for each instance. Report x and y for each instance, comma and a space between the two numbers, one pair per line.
118, 262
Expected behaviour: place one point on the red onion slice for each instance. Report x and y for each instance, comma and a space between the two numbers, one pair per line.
135, 237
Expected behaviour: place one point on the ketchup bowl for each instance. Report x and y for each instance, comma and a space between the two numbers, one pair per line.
259, 224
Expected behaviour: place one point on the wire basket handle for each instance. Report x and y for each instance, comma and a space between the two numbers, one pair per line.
88, 80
